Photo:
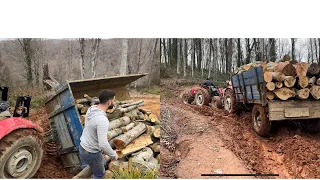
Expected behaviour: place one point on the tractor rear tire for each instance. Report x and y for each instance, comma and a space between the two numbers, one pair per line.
230, 103
311, 125
202, 97
260, 120
216, 102
20, 154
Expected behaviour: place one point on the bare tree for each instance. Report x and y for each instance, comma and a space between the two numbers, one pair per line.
82, 46
25, 44
94, 54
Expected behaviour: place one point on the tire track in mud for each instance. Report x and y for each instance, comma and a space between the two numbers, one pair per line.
289, 152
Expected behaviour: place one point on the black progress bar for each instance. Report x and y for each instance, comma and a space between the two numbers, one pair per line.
239, 174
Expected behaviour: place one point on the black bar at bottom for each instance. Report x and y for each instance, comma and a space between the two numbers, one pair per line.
239, 174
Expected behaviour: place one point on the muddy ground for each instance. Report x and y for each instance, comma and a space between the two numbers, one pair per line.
210, 141
51, 166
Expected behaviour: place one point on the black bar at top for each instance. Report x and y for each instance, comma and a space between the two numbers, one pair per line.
239, 174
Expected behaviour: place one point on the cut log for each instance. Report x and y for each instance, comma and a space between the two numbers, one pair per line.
84, 109
154, 119
278, 76
130, 108
286, 68
128, 127
80, 106
145, 111
144, 154
318, 81
142, 165
315, 92
85, 173
115, 166
131, 104
289, 81
155, 147
303, 82
303, 93
284, 93
83, 119
124, 139
114, 132
313, 69
267, 76
301, 68
278, 84
117, 113
111, 143
158, 158
82, 101
270, 95
150, 130
156, 132
270, 86
136, 145
312, 80
119, 122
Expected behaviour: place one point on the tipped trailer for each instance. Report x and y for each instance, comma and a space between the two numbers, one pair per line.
249, 91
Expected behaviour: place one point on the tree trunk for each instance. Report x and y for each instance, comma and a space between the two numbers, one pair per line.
303, 93
315, 92
185, 55
139, 143
94, 52
284, 93
119, 122
124, 57
82, 46
293, 42
179, 56
123, 140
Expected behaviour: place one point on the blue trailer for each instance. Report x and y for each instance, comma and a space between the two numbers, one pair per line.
66, 128
249, 90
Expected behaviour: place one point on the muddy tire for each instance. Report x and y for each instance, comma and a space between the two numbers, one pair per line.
202, 97
312, 125
260, 120
187, 98
230, 104
216, 102
20, 154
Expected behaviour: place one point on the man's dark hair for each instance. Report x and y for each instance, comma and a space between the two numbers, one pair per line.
207, 78
106, 95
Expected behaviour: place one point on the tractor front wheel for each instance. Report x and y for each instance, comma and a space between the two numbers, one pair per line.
20, 154
260, 120
202, 97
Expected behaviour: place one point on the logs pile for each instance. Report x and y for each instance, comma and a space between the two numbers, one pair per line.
288, 79
134, 133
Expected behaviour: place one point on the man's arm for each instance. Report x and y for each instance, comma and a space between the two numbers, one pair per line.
102, 131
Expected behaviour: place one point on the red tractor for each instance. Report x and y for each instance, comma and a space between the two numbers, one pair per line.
208, 95
20, 143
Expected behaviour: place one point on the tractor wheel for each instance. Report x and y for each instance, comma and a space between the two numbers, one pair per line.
216, 102
202, 97
260, 120
20, 154
230, 103
311, 125
186, 98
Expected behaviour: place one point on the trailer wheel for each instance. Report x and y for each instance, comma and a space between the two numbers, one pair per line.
230, 103
20, 154
216, 102
202, 97
260, 120
312, 125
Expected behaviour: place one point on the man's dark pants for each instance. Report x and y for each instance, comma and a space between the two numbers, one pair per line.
95, 161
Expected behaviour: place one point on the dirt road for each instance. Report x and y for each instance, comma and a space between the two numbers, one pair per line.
51, 167
289, 152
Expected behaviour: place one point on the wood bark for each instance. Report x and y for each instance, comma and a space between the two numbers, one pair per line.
289, 81
315, 92
312, 80
301, 68
131, 104
313, 69
128, 127
145, 111
114, 132
284, 93
123, 140
286, 68
119, 122
136, 145
155, 147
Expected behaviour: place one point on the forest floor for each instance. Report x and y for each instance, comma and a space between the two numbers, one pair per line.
210, 141
51, 166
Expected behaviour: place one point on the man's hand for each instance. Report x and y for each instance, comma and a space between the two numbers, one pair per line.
114, 158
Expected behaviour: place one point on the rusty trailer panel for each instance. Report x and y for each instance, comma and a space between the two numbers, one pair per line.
294, 110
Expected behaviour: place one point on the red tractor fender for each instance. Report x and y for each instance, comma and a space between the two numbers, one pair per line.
10, 124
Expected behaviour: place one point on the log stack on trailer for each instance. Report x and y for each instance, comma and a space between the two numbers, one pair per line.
134, 133
288, 79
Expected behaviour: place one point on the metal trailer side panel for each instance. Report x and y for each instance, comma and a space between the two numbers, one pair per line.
294, 109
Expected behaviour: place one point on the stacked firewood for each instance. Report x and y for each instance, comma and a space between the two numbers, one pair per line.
134, 133
289, 79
